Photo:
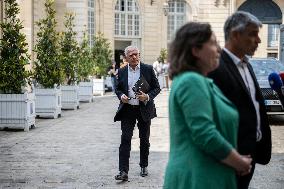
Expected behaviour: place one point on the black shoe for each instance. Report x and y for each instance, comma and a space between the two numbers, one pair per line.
144, 171
122, 176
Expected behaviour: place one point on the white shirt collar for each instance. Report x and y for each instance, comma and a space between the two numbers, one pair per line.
136, 68
235, 59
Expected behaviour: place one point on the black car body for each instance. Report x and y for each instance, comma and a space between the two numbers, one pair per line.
262, 68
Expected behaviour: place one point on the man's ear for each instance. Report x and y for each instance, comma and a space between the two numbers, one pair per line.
235, 36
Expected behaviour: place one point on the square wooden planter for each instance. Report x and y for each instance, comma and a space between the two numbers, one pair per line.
86, 91
17, 111
48, 102
70, 97
99, 86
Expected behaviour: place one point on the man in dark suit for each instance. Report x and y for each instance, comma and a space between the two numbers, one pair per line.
236, 79
135, 107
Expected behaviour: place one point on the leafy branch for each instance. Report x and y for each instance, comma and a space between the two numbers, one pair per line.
48, 69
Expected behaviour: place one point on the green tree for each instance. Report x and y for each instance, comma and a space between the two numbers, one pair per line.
102, 55
86, 62
69, 50
163, 55
48, 68
13, 52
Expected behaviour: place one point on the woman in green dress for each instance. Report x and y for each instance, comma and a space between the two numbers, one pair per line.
203, 122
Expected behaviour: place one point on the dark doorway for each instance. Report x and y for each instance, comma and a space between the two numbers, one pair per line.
118, 54
119, 47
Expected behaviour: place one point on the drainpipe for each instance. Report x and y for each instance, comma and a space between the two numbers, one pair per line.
281, 44
1, 15
32, 31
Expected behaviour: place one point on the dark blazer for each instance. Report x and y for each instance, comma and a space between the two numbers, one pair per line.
229, 80
148, 111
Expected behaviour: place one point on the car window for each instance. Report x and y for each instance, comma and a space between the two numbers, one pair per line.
263, 67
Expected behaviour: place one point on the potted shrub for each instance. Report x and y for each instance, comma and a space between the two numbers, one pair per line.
48, 72
85, 69
69, 59
102, 54
17, 105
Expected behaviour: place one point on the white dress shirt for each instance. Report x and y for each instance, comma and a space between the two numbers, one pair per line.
247, 78
133, 76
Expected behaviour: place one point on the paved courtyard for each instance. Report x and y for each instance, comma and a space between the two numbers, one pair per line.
80, 150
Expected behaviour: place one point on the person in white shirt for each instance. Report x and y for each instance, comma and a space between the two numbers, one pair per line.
158, 67
236, 79
134, 108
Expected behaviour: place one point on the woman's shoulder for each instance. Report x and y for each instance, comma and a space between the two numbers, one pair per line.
190, 78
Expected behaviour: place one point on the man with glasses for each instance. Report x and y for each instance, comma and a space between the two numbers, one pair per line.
134, 107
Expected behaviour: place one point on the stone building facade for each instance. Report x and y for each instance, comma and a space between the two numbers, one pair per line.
147, 24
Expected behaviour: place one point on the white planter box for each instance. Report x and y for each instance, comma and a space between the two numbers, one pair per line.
86, 91
108, 83
48, 102
99, 86
17, 111
70, 97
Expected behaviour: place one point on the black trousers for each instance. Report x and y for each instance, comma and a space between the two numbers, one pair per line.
243, 181
131, 114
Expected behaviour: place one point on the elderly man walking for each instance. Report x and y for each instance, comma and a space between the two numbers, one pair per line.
133, 107
236, 79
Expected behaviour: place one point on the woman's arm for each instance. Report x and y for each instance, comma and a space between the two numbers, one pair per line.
195, 101
242, 164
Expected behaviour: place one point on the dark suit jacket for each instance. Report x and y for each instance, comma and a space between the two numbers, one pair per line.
148, 111
229, 80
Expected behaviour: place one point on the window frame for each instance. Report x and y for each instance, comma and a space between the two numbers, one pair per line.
127, 19
91, 21
273, 35
176, 11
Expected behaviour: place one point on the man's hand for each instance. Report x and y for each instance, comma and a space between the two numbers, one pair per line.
142, 96
124, 98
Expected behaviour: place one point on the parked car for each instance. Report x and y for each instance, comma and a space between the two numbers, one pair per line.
262, 68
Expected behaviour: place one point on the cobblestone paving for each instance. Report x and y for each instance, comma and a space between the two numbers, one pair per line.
80, 150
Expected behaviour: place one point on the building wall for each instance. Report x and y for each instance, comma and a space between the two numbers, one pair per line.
153, 27
153, 21
80, 9
61, 9
215, 14
38, 13
26, 16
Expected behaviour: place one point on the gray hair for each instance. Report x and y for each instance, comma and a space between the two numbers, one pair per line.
238, 22
127, 49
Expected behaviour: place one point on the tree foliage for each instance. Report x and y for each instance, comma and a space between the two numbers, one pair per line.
13, 52
69, 50
163, 55
102, 55
86, 62
48, 68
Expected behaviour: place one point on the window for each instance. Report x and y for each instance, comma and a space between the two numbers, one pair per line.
91, 21
273, 55
176, 17
127, 19
273, 35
